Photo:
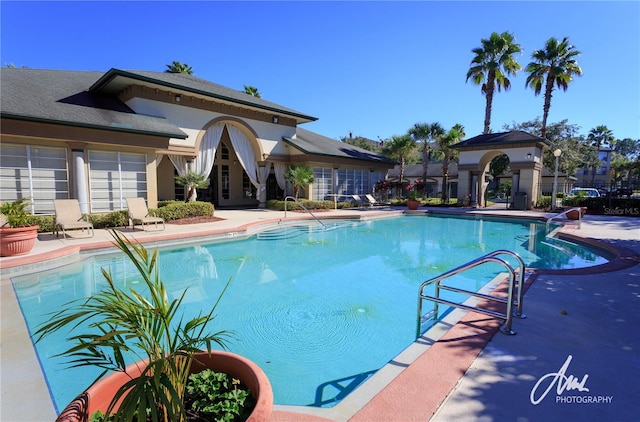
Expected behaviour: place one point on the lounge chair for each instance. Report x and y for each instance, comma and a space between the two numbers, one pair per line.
373, 202
358, 200
69, 217
139, 214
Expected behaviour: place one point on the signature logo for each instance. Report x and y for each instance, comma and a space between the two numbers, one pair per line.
560, 380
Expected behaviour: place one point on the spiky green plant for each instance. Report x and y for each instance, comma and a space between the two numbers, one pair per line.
192, 180
143, 326
299, 176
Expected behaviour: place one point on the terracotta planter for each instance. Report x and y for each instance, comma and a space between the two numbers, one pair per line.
412, 204
575, 215
99, 395
18, 240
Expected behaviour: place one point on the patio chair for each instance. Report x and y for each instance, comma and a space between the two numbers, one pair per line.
373, 202
69, 217
139, 214
359, 201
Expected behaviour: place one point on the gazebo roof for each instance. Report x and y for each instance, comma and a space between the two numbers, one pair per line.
489, 140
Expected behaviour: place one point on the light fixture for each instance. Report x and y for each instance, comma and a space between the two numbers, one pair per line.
275, 119
529, 156
178, 98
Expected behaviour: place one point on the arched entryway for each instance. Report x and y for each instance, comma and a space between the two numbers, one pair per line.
229, 154
525, 156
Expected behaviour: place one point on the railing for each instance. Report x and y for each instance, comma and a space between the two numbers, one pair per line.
565, 212
303, 207
509, 300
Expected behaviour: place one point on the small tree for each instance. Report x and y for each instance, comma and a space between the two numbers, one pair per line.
192, 181
299, 176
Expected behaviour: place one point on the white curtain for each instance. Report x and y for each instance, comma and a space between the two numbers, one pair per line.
245, 154
207, 153
159, 158
180, 163
203, 164
280, 169
263, 175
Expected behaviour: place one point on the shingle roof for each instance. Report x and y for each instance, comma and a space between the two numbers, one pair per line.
189, 83
62, 97
502, 138
314, 144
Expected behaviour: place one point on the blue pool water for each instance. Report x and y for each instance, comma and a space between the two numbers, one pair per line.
319, 310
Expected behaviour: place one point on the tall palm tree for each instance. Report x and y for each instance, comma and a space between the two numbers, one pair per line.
400, 148
177, 67
444, 142
600, 136
426, 135
491, 65
555, 64
251, 90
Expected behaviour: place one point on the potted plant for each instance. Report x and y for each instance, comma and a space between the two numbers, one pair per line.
17, 233
166, 349
412, 197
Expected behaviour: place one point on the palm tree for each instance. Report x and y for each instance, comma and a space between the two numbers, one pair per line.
426, 134
600, 136
177, 67
445, 142
554, 65
192, 180
299, 176
400, 148
491, 65
251, 90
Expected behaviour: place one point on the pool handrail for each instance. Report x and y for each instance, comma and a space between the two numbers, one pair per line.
509, 300
305, 208
565, 212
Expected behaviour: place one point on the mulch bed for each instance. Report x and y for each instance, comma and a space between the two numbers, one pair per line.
195, 220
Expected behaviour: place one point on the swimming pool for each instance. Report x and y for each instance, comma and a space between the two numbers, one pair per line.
314, 308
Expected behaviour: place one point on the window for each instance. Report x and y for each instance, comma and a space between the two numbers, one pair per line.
353, 181
224, 176
322, 183
114, 176
37, 172
248, 190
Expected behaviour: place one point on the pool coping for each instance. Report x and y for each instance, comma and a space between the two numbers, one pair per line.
625, 259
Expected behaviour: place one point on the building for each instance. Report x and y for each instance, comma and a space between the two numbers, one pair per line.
101, 137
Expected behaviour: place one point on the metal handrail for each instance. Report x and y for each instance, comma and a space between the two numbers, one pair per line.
305, 208
521, 271
565, 212
491, 257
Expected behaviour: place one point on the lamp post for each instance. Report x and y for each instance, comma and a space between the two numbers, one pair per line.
556, 153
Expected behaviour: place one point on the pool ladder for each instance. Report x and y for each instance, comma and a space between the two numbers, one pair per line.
513, 299
303, 207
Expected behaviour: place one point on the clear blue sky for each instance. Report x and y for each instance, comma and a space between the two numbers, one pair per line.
370, 68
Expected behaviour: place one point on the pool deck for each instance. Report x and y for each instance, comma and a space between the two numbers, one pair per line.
582, 326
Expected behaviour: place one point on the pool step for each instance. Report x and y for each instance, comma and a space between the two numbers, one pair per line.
289, 232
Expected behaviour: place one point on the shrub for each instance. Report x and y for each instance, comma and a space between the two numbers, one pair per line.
175, 210
44, 221
112, 219
278, 205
